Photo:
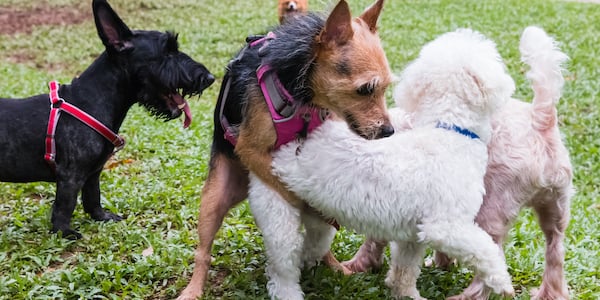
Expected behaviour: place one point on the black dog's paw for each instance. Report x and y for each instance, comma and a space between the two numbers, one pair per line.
68, 233
104, 215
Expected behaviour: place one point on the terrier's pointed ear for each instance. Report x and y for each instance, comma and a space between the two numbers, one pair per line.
371, 15
113, 32
338, 28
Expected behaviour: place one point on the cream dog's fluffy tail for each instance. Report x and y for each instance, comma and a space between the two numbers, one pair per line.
541, 53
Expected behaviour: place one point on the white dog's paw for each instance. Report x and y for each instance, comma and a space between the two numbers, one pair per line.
501, 285
402, 289
416, 297
404, 297
284, 290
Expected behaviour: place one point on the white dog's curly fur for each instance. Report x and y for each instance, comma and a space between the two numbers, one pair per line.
421, 187
528, 166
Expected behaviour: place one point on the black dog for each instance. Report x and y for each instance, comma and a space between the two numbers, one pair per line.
142, 67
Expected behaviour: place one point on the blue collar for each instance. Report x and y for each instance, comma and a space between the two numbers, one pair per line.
458, 129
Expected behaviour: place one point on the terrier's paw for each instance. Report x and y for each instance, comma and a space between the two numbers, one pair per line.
105, 215
67, 233
354, 267
362, 264
334, 264
442, 261
345, 270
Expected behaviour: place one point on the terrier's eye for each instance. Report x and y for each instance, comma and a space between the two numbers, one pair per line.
366, 89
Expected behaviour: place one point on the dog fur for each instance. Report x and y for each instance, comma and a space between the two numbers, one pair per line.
528, 166
336, 63
420, 187
142, 67
291, 8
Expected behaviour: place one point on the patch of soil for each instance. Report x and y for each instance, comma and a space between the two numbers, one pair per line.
23, 20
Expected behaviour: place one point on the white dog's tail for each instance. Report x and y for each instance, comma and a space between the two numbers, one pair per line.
540, 52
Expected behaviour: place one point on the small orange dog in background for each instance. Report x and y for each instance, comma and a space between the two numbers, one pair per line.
288, 8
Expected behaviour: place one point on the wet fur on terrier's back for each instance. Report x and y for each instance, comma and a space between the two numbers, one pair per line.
142, 67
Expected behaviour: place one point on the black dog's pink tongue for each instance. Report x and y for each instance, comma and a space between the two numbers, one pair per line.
183, 106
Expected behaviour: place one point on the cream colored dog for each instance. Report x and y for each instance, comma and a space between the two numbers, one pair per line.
529, 166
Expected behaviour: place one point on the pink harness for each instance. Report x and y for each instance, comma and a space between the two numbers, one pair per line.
57, 105
290, 118
303, 118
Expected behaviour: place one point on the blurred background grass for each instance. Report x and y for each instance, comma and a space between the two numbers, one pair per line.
156, 180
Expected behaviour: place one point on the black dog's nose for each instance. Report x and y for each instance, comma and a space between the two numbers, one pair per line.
387, 130
205, 80
209, 79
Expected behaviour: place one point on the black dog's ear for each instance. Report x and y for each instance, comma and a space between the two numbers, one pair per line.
112, 30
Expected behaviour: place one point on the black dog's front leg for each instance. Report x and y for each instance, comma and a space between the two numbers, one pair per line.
90, 196
63, 207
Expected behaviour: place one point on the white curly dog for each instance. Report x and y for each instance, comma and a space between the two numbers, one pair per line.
528, 166
418, 188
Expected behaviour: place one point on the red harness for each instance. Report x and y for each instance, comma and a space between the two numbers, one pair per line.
57, 105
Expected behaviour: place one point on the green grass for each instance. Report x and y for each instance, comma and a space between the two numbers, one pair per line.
157, 187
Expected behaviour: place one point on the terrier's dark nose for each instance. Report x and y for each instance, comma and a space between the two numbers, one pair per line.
387, 130
206, 80
210, 78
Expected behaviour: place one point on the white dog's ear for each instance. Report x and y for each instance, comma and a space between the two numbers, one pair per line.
479, 98
490, 93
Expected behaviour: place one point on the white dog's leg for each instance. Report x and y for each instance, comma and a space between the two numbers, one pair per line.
280, 226
554, 218
317, 240
405, 268
471, 245
495, 216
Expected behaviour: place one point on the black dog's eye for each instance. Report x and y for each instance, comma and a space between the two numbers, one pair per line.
366, 89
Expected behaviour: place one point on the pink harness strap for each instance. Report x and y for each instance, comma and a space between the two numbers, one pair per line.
57, 105
289, 118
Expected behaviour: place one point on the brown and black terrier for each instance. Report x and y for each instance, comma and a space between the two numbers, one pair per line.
291, 8
334, 63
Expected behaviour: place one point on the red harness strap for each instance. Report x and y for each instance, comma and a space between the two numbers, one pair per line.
57, 105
